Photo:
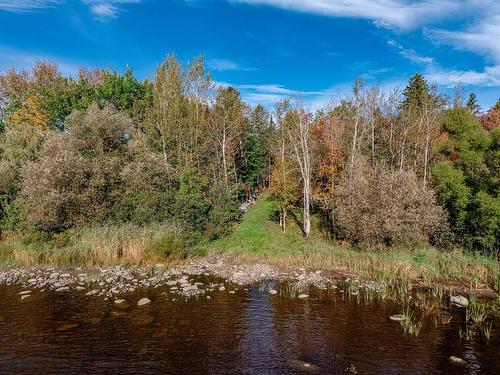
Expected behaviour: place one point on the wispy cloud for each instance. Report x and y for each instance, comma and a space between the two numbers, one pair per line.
27, 5
393, 13
101, 9
489, 77
409, 53
223, 65
270, 94
107, 9
482, 37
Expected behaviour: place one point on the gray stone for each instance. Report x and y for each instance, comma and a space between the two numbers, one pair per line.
398, 317
456, 361
143, 301
459, 301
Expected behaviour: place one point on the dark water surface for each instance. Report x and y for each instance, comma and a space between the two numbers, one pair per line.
249, 332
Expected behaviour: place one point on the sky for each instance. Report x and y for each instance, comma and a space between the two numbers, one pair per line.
268, 49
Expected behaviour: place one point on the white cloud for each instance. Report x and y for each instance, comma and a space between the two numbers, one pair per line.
101, 9
27, 5
223, 65
482, 37
410, 54
403, 14
270, 94
107, 9
489, 77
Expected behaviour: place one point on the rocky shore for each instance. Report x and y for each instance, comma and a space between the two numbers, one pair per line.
182, 281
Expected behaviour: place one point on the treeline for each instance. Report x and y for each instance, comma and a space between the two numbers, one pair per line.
377, 168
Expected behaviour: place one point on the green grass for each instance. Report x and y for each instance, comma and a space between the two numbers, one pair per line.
259, 235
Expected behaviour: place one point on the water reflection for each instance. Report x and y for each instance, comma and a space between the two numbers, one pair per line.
249, 332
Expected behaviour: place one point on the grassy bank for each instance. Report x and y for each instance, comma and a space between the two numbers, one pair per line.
106, 245
259, 236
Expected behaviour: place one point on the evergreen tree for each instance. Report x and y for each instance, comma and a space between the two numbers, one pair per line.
416, 93
472, 104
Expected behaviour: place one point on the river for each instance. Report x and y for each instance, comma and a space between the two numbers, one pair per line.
249, 331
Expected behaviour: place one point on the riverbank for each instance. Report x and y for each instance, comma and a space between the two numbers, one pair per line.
257, 240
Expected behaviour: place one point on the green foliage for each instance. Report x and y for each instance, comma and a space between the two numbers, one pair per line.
466, 179
472, 104
253, 168
416, 93
224, 210
191, 206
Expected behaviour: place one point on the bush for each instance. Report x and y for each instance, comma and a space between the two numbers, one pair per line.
384, 207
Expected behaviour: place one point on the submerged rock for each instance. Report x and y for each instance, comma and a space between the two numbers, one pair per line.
121, 304
302, 296
456, 361
303, 366
24, 296
398, 317
62, 289
143, 301
25, 292
459, 301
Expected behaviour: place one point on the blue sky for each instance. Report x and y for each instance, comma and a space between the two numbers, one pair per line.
268, 48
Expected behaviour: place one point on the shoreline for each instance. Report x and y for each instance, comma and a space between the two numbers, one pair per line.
231, 269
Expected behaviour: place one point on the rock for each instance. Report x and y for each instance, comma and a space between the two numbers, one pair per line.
67, 326
459, 301
143, 301
65, 275
302, 296
121, 304
92, 292
25, 292
80, 288
232, 292
171, 282
303, 366
24, 296
62, 289
398, 317
456, 361
272, 291
222, 288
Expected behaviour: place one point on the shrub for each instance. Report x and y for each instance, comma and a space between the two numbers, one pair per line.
380, 206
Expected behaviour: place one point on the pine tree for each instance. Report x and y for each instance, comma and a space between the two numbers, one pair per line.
416, 93
472, 104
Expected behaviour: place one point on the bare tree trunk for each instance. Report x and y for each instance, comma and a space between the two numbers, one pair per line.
224, 163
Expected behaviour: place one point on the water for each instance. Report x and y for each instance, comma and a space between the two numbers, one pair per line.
249, 332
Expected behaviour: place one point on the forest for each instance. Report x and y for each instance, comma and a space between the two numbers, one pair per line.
178, 153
